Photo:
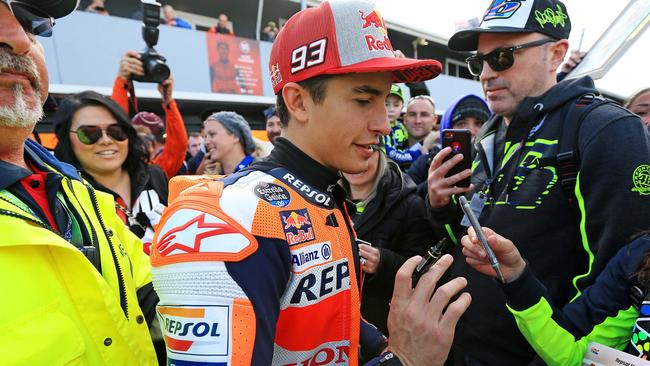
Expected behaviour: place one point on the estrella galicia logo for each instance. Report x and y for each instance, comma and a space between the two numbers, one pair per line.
297, 226
272, 193
502, 9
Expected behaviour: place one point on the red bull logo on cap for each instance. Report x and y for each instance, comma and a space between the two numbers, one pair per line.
375, 20
297, 226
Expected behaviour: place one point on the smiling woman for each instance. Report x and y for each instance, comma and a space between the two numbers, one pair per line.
95, 136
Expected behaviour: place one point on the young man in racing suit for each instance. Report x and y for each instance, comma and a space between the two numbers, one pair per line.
262, 267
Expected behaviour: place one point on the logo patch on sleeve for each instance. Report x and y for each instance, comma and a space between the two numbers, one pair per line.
272, 193
297, 226
196, 330
192, 231
641, 180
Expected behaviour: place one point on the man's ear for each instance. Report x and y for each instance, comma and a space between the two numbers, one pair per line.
295, 98
557, 52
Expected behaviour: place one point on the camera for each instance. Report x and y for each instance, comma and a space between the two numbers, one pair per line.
155, 68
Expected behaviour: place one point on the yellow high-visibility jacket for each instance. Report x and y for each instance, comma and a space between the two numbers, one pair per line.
56, 308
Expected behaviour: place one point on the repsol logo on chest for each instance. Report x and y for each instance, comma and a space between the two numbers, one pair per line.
306, 191
318, 284
337, 355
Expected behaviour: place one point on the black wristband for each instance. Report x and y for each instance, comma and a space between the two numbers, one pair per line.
389, 359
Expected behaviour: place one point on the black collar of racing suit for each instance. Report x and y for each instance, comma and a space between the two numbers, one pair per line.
288, 155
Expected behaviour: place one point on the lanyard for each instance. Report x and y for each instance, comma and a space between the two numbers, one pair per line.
507, 161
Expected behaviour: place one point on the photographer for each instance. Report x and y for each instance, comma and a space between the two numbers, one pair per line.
269, 32
170, 158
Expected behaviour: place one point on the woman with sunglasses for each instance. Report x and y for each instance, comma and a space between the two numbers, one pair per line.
96, 137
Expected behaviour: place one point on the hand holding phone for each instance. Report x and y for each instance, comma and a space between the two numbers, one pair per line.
460, 142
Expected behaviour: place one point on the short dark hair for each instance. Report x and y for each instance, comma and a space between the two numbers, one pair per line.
137, 157
316, 87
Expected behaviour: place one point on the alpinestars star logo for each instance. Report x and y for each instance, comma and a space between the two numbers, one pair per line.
188, 237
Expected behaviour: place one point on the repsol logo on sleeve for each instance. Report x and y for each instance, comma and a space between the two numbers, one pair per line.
196, 330
317, 283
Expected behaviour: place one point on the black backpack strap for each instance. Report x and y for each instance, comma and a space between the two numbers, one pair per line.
567, 159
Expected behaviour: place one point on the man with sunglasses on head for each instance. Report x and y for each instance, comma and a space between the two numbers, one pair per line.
560, 171
72, 272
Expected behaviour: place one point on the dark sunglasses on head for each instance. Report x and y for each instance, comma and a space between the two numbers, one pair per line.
89, 135
32, 19
501, 58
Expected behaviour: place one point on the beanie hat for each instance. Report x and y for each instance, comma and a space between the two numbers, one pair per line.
150, 120
470, 107
237, 125
397, 90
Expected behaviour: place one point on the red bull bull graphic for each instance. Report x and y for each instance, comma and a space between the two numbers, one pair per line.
297, 226
375, 19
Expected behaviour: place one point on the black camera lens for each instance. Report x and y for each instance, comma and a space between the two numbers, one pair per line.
157, 70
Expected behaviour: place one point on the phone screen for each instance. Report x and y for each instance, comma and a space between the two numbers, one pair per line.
460, 142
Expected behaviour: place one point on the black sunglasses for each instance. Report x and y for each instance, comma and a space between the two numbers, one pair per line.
89, 135
32, 19
501, 58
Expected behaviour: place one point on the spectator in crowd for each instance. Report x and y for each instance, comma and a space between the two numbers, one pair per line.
97, 7
613, 311
269, 32
392, 219
420, 119
396, 142
173, 20
639, 104
224, 26
194, 144
151, 129
77, 284
273, 125
467, 112
229, 142
95, 136
171, 140
267, 221
530, 188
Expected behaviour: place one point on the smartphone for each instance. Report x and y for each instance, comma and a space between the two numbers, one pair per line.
460, 142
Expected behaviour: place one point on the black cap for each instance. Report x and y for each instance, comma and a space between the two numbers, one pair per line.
548, 17
55, 8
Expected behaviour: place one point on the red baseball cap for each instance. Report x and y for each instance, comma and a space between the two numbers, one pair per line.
341, 37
